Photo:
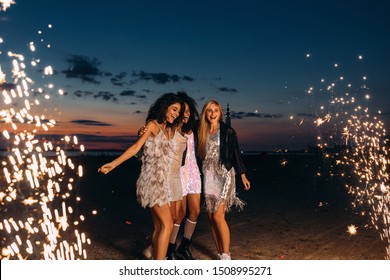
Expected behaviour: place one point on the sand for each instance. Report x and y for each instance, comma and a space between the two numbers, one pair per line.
291, 214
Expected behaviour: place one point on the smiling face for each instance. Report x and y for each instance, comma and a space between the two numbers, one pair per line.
187, 113
173, 112
213, 114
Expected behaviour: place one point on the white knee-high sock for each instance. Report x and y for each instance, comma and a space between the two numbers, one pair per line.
175, 231
189, 228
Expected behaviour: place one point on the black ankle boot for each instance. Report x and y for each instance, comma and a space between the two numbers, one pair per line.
171, 253
184, 249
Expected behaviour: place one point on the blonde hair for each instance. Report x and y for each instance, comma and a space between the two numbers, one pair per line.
204, 127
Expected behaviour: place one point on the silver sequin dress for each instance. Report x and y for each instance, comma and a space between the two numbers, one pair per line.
219, 183
177, 145
151, 184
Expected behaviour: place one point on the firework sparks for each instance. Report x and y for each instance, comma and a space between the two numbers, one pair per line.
2, 77
5, 4
37, 177
358, 146
352, 230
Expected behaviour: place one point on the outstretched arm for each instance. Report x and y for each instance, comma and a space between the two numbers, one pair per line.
152, 128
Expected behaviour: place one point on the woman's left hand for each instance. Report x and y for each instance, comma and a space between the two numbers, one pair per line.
245, 182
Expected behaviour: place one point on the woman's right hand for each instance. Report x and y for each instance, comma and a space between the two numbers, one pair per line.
106, 168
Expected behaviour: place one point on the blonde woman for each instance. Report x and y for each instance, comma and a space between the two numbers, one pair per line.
221, 160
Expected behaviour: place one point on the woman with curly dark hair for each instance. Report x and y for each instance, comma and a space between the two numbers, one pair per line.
152, 188
191, 184
185, 165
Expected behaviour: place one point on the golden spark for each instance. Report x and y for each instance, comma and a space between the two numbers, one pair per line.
5, 4
352, 230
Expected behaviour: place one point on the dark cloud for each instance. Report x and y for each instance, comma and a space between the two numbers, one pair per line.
138, 112
226, 89
83, 68
91, 123
115, 82
106, 96
132, 93
128, 93
243, 115
82, 93
159, 78
117, 79
188, 79
121, 75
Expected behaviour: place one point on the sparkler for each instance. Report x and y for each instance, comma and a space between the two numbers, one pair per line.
356, 139
5, 4
37, 177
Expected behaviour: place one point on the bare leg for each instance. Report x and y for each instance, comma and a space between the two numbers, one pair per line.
193, 206
183, 210
220, 230
163, 223
156, 232
175, 209
214, 232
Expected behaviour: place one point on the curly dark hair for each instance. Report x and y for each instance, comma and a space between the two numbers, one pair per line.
194, 115
159, 108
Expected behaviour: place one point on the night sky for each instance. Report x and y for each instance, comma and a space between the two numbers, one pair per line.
114, 58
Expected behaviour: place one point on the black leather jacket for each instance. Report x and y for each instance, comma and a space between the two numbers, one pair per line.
230, 154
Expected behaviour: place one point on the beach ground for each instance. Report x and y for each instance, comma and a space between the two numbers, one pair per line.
291, 213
